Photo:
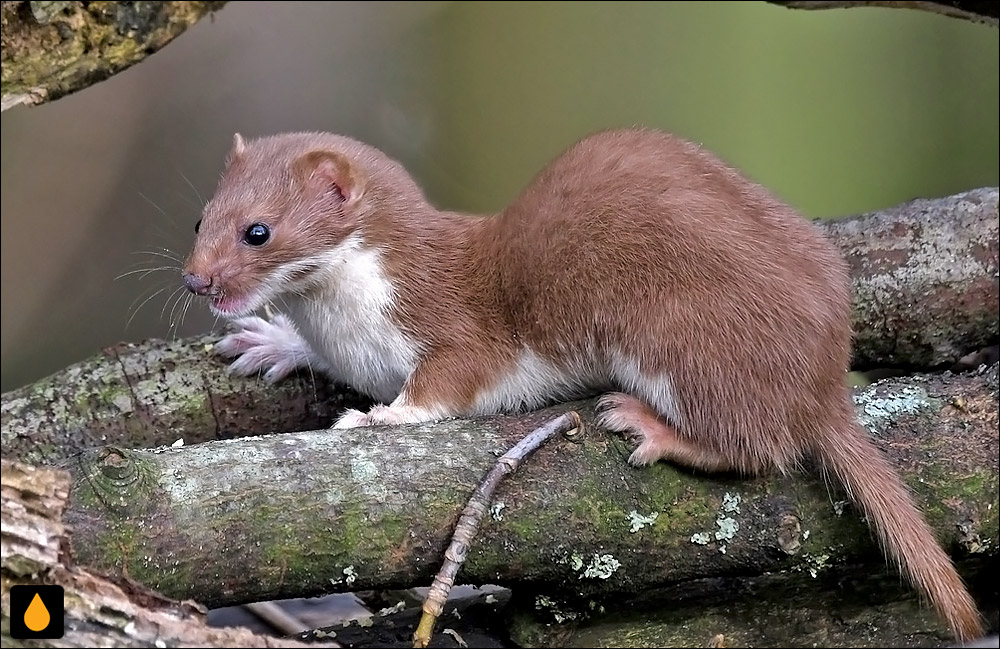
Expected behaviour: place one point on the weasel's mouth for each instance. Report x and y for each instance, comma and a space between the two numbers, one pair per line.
229, 304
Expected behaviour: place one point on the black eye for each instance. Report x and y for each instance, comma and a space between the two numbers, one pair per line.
197, 226
257, 234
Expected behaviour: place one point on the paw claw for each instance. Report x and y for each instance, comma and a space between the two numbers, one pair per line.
644, 455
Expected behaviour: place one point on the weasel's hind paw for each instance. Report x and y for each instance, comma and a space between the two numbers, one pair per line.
623, 413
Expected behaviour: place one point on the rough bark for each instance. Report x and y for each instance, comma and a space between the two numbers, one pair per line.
51, 49
306, 513
980, 11
926, 286
926, 279
100, 612
153, 394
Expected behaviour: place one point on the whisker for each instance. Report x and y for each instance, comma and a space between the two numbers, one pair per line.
191, 185
187, 305
171, 320
167, 301
138, 308
145, 271
167, 254
155, 206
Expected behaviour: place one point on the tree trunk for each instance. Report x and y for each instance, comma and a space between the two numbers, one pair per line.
926, 288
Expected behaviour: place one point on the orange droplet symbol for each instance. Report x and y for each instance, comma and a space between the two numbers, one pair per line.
37, 616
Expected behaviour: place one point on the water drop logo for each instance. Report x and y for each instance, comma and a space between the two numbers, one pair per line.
36, 612
37, 617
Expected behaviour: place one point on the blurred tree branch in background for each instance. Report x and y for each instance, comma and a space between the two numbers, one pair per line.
51, 49
982, 11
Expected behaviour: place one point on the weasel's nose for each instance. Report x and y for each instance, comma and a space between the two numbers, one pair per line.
197, 284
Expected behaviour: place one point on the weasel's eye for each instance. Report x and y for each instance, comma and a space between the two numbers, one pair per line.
257, 234
197, 226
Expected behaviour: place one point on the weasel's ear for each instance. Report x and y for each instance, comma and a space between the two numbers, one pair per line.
327, 172
236, 152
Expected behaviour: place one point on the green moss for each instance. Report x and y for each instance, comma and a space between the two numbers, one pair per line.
940, 488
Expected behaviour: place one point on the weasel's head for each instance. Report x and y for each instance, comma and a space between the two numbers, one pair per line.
286, 205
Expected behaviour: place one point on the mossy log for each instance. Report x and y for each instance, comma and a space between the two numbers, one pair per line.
99, 612
925, 280
51, 49
300, 514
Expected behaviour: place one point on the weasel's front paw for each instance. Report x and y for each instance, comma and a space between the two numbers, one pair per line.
352, 419
274, 347
384, 416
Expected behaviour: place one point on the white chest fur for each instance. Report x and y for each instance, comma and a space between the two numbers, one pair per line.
346, 322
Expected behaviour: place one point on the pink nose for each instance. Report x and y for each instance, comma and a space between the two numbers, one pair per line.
197, 284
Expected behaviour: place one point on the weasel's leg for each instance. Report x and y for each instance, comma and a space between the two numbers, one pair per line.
658, 440
274, 348
442, 386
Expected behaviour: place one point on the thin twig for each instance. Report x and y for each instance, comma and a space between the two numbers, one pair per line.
472, 515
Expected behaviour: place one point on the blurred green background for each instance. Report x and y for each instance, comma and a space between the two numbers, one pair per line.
837, 112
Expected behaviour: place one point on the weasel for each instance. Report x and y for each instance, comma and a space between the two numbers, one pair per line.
715, 318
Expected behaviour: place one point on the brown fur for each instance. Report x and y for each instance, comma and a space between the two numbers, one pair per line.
632, 249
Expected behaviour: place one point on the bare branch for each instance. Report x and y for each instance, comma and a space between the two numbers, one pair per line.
302, 514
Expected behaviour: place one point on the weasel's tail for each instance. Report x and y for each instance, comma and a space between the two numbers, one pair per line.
850, 455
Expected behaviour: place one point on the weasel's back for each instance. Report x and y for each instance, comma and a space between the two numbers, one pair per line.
662, 256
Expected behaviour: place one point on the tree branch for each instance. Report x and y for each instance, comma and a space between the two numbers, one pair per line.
980, 11
51, 49
99, 612
926, 288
